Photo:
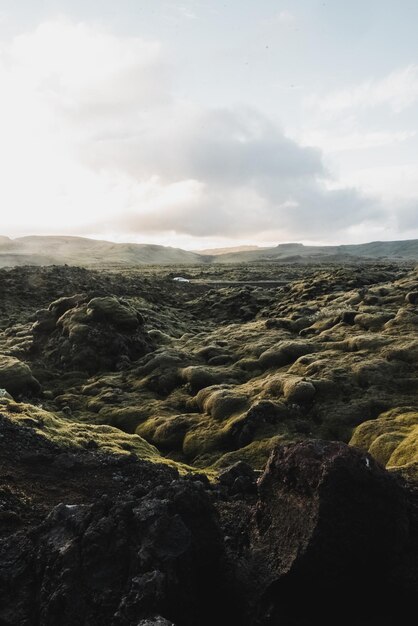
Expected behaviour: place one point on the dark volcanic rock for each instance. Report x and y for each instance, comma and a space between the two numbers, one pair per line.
104, 539
239, 477
115, 562
330, 522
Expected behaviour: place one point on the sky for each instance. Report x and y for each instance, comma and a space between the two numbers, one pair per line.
198, 123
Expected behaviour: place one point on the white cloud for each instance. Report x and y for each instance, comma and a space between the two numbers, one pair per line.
398, 90
400, 182
355, 140
94, 141
283, 17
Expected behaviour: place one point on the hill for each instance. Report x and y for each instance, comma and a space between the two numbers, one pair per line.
81, 251
39, 250
289, 252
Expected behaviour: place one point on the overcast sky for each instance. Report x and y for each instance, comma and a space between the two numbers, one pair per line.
201, 123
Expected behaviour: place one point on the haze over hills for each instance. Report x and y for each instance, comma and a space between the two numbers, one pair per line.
39, 250
232, 249
56, 250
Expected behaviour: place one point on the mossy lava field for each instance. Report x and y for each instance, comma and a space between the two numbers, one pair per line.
240, 447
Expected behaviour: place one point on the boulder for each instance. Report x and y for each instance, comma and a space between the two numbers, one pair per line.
329, 519
120, 562
284, 353
16, 377
111, 311
412, 297
298, 391
90, 335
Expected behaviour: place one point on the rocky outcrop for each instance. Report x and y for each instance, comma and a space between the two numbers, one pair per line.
101, 521
16, 377
115, 562
93, 538
329, 520
90, 334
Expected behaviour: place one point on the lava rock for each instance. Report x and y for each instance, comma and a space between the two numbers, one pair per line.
328, 518
16, 377
238, 478
92, 335
118, 562
412, 297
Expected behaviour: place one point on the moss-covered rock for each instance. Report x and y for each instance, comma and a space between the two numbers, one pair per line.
372, 321
220, 403
16, 377
200, 376
91, 335
284, 353
67, 433
298, 390
392, 439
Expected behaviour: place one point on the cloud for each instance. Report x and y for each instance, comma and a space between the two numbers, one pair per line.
80, 69
339, 141
94, 140
281, 18
398, 91
407, 217
227, 172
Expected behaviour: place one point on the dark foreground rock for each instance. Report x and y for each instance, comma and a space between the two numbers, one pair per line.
115, 561
88, 538
331, 522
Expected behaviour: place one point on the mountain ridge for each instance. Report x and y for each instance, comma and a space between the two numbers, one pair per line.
42, 250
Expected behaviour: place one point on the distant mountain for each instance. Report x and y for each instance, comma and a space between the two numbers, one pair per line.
289, 252
218, 251
39, 250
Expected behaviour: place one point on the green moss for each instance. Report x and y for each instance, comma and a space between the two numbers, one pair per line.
392, 439
255, 454
167, 432
221, 403
125, 418
203, 439
70, 434
284, 353
406, 453
384, 445
199, 377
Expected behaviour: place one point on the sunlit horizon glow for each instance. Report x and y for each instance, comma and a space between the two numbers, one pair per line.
167, 124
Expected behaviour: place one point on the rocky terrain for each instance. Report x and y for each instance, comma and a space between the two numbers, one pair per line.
241, 448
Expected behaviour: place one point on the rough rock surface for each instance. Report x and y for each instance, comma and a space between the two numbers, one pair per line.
130, 489
328, 518
94, 538
314, 355
16, 377
90, 538
323, 350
